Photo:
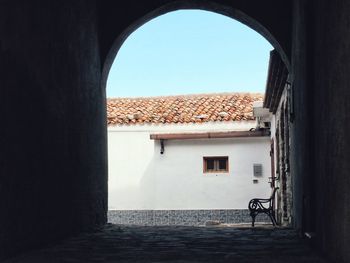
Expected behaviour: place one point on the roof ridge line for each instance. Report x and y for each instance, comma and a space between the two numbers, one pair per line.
189, 95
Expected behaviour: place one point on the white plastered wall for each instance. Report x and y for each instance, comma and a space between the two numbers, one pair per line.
142, 178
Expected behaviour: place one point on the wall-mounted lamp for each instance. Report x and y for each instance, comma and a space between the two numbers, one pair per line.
161, 146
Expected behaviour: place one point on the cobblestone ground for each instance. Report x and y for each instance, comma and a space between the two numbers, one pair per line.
118, 243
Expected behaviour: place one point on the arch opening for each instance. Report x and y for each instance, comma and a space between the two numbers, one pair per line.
118, 44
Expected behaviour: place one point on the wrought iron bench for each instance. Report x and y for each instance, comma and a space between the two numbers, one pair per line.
258, 205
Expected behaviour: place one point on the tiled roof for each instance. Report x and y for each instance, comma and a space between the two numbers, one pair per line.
182, 109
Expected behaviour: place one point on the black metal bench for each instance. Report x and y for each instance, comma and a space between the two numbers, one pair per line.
258, 205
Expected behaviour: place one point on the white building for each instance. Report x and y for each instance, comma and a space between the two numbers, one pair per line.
197, 157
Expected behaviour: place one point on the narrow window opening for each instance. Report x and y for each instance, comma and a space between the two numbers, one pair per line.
215, 164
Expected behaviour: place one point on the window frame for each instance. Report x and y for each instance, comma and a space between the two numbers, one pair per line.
216, 160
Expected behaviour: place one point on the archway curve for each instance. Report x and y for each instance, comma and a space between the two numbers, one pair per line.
211, 6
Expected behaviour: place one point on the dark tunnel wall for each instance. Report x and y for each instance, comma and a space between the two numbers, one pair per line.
331, 123
53, 131
321, 155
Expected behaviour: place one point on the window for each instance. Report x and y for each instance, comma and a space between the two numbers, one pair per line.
215, 164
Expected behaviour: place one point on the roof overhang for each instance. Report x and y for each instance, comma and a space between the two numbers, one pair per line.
209, 135
276, 81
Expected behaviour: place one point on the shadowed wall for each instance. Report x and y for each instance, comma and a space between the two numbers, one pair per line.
320, 141
53, 155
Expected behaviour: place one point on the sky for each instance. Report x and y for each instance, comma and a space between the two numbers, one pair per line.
190, 52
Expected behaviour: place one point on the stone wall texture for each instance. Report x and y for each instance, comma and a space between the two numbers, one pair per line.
182, 217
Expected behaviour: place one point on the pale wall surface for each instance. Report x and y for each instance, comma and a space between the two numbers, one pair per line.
142, 178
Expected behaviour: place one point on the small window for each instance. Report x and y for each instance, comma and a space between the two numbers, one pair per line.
215, 164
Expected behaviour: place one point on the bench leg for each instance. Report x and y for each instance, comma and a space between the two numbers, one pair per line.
273, 219
253, 215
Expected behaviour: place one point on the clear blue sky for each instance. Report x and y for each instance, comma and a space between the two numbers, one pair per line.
189, 52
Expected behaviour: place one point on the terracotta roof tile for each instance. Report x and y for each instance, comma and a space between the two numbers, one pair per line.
198, 108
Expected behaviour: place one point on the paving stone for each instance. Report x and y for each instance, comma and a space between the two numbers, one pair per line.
223, 243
